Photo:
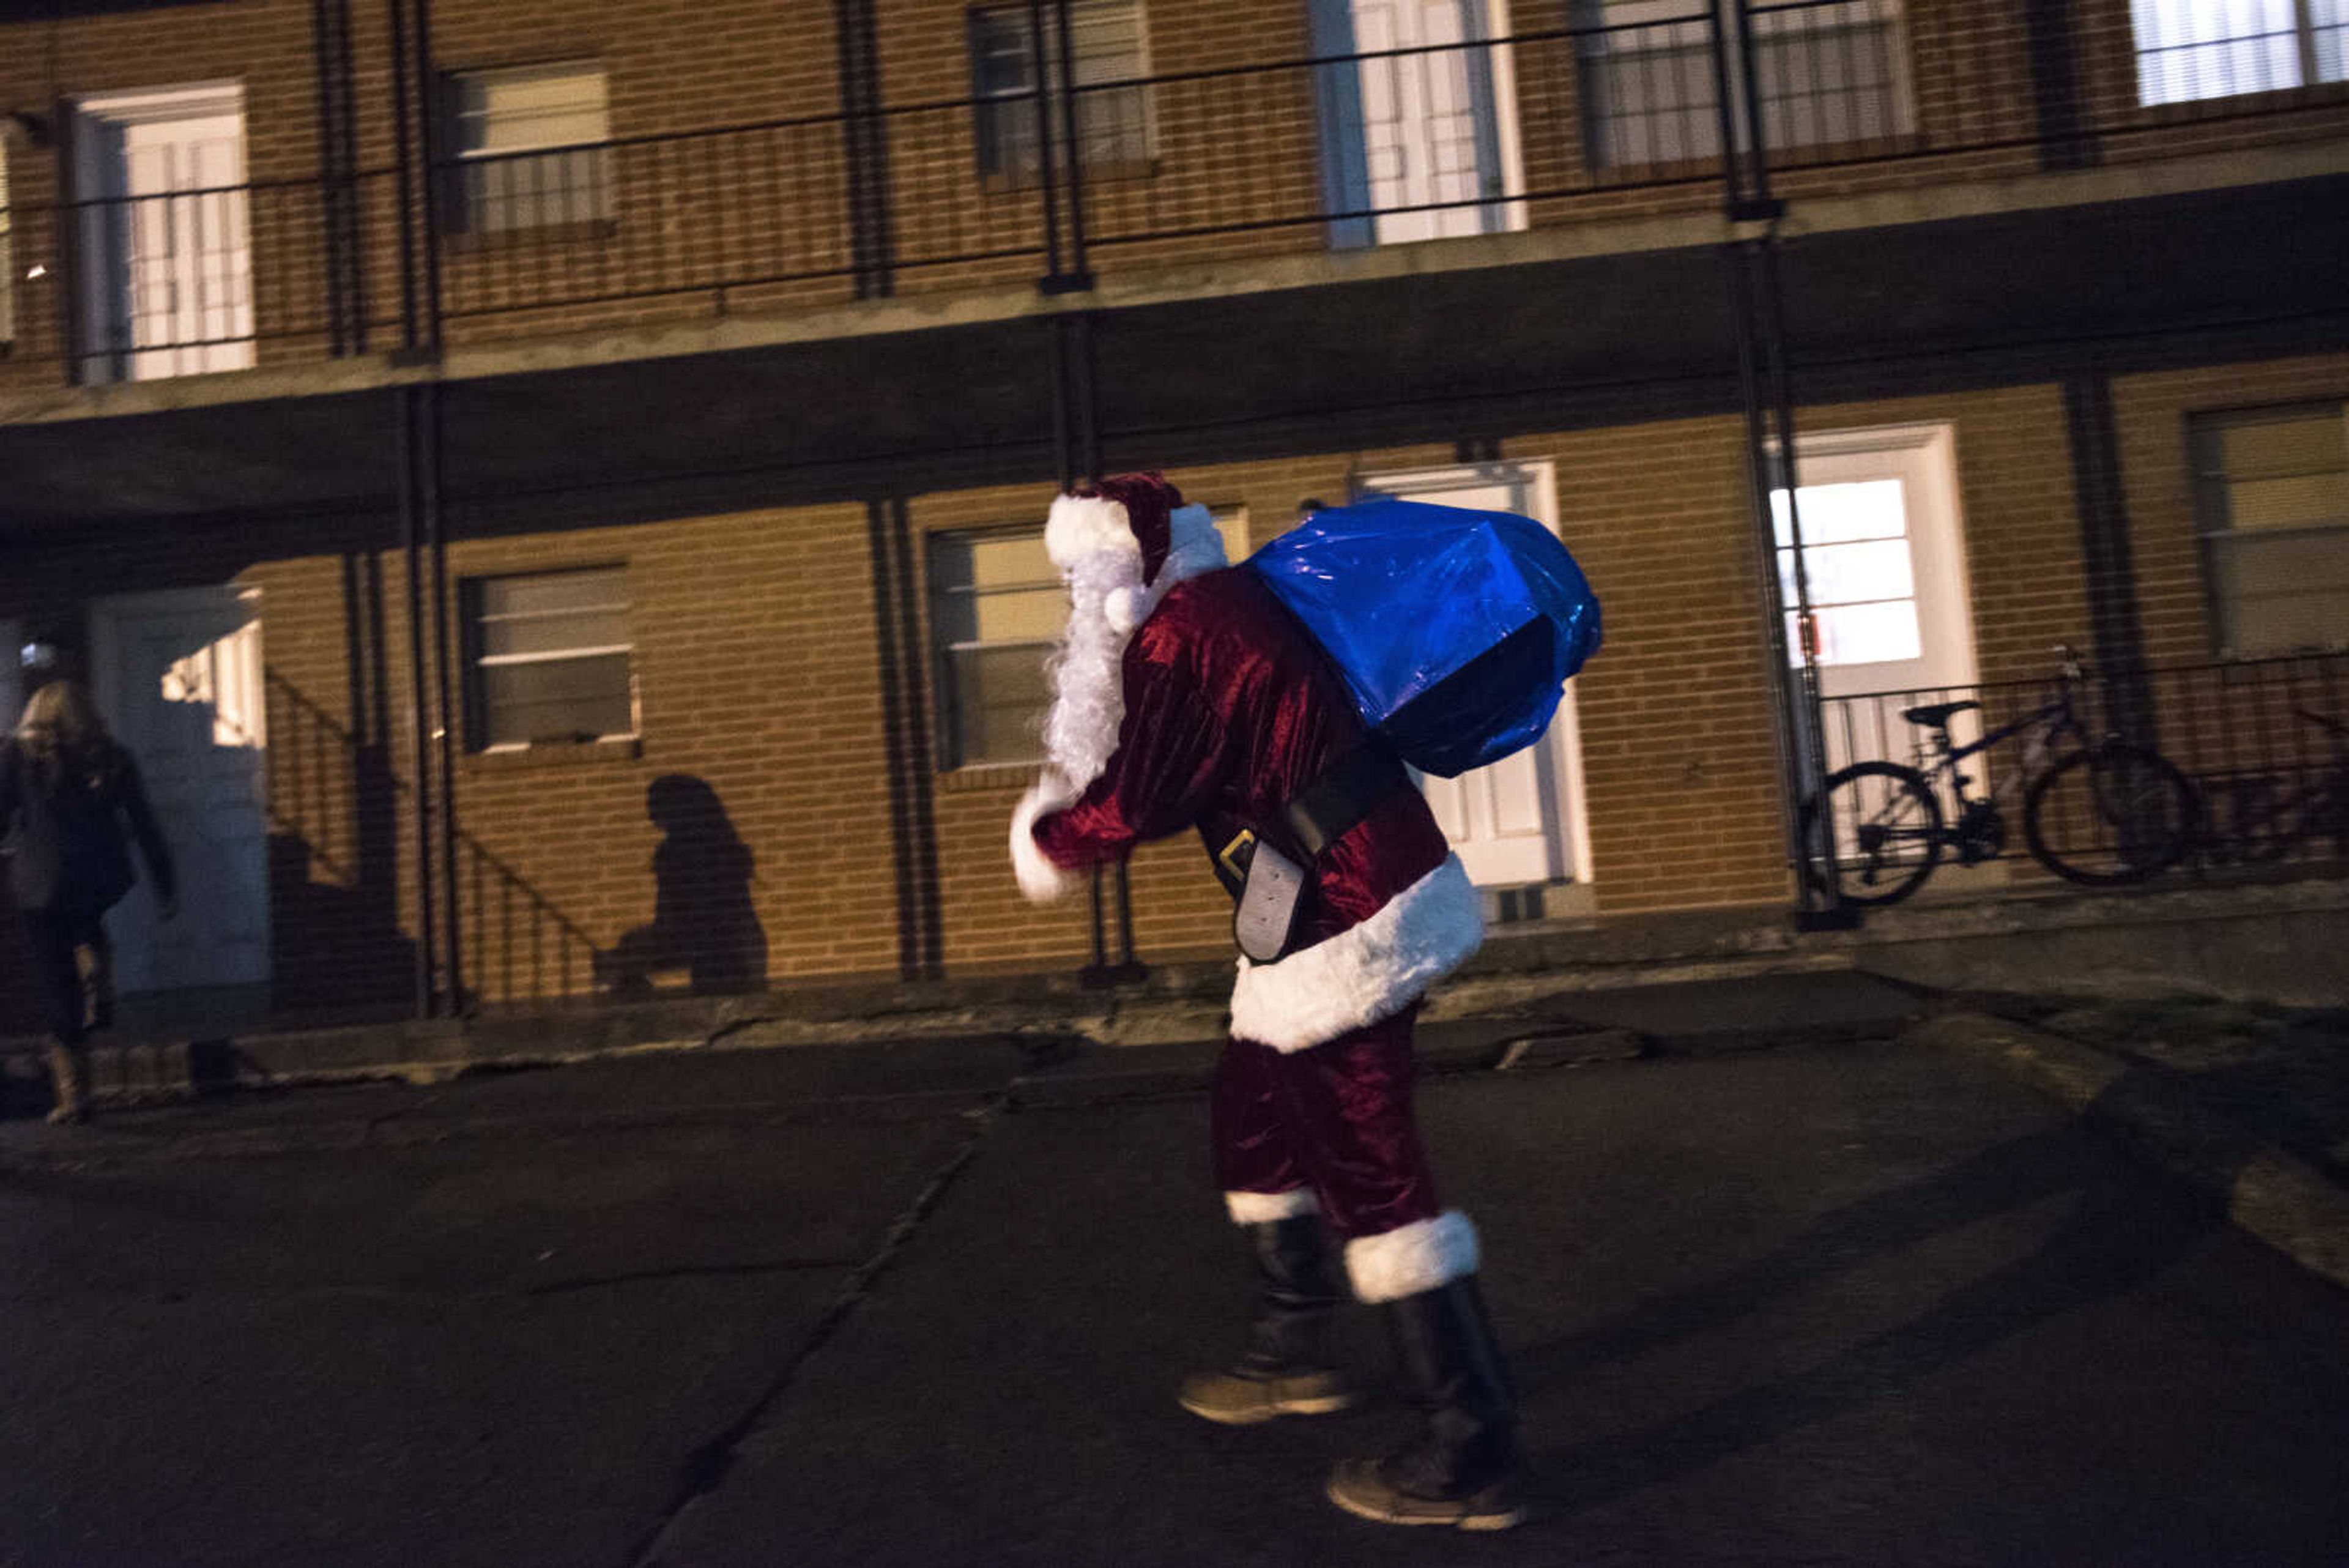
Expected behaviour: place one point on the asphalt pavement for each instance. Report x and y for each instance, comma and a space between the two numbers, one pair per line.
1849, 1298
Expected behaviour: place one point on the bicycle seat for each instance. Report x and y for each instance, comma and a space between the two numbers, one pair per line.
1936, 714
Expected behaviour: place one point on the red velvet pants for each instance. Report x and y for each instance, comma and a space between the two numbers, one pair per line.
1336, 1119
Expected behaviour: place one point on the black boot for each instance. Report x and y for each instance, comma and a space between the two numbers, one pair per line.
1465, 1469
1288, 1368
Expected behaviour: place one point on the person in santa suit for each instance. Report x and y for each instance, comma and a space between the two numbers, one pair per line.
1186, 697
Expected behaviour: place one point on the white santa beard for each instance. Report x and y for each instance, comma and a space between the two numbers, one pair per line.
1086, 672
1107, 599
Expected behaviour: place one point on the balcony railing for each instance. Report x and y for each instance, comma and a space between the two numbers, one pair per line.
1296, 156
2265, 743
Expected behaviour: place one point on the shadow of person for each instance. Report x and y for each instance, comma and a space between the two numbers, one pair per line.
703, 920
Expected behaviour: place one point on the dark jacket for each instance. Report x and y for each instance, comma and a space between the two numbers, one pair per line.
68, 839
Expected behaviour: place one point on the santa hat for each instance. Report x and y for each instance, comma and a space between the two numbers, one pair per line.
1137, 515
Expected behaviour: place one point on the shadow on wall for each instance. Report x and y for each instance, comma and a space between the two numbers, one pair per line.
703, 920
340, 819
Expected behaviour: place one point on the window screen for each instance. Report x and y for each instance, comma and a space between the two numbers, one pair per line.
552, 657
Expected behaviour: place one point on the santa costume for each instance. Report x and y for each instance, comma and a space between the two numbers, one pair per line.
1186, 696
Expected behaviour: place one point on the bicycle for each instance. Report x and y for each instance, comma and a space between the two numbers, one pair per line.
2100, 813
2253, 824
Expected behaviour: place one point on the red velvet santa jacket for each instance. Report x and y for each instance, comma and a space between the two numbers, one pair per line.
1230, 711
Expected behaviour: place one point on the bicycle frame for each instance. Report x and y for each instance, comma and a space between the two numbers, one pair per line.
2055, 717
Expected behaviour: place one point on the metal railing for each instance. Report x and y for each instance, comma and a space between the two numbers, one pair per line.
1332, 150
2259, 740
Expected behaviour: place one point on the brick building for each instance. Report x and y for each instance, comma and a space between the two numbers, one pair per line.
553, 492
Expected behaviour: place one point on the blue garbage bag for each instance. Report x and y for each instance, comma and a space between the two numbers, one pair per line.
1455, 630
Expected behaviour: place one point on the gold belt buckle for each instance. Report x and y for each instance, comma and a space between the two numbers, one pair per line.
1228, 857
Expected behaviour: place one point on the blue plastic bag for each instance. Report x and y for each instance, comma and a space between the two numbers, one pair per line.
1455, 630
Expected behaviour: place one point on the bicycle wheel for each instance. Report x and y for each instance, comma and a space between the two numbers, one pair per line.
1887, 831
2111, 816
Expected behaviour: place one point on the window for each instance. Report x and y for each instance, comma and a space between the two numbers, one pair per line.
996, 610
499, 122
550, 658
2273, 494
1856, 564
2188, 49
1830, 74
1108, 44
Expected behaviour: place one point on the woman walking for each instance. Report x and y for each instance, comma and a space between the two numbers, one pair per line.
71, 801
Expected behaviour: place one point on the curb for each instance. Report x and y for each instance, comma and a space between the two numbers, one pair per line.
2266, 1192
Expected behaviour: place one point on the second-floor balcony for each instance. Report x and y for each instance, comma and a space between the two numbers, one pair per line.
522, 215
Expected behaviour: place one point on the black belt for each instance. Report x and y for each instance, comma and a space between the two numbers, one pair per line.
1322, 813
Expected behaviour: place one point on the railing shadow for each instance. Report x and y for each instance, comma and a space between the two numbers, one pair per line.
343, 942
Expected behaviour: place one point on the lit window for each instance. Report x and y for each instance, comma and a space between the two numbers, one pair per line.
2188, 49
1829, 75
1108, 44
996, 610
527, 145
1862, 581
2272, 487
551, 658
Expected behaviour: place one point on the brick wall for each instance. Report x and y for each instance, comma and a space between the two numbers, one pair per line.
751, 212
2150, 414
759, 675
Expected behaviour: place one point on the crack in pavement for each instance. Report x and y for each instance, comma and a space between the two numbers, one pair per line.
705, 1469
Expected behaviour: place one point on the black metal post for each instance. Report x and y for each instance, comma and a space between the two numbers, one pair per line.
1809, 723
1079, 277
1758, 200
1767, 390
403, 150
337, 165
429, 212
2102, 501
2066, 138
447, 732
872, 245
418, 708
1048, 184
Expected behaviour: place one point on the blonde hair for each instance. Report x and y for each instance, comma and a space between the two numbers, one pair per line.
61, 729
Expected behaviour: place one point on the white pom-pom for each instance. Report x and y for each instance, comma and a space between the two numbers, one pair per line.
1122, 609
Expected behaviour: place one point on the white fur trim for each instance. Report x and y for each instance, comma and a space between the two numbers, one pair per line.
1040, 880
1420, 1256
1365, 972
1257, 1207
1079, 524
1107, 600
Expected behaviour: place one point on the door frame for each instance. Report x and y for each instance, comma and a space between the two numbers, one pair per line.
107, 616
1936, 516
1345, 174
1539, 476
94, 303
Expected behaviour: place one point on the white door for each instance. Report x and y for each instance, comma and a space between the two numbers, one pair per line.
166, 249
1517, 821
179, 678
1418, 137
1884, 551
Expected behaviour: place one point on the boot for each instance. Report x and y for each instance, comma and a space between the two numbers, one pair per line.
1464, 1470
69, 1083
1288, 1368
